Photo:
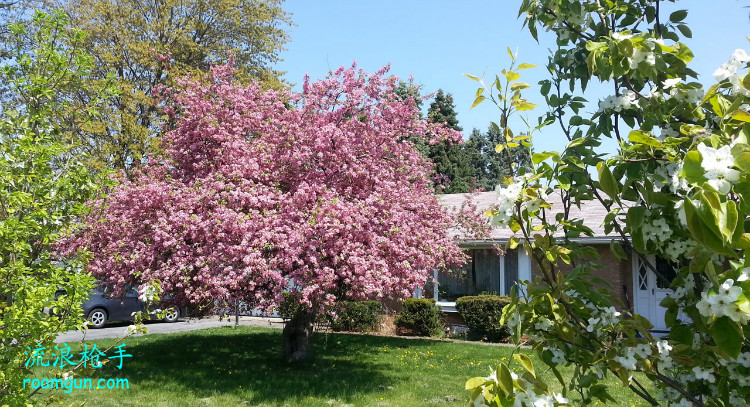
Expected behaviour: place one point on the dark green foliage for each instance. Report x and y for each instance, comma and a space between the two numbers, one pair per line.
482, 314
453, 168
420, 316
289, 307
490, 165
357, 316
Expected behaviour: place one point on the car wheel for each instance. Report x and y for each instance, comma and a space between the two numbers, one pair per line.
172, 314
97, 317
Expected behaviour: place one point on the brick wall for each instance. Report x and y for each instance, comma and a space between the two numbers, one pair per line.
617, 273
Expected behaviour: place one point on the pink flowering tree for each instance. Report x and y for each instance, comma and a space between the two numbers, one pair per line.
258, 192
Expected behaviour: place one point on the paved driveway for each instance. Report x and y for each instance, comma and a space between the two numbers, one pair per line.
118, 330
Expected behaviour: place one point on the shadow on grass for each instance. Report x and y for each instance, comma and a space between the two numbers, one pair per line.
248, 361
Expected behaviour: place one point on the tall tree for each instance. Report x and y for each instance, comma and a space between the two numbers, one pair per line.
144, 42
43, 189
489, 164
266, 191
453, 168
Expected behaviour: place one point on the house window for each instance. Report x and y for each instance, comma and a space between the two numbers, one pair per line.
485, 272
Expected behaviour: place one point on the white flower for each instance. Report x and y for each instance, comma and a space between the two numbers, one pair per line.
643, 350
680, 206
132, 330
618, 103
544, 401
721, 185
670, 82
663, 347
716, 163
619, 36
592, 324
745, 275
560, 399
682, 403
704, 374
628, 362
558, 357
641, 55
730, 290
543, 324
735, 399
724, 72
147, 293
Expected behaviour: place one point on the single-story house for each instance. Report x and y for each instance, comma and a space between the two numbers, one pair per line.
487, 271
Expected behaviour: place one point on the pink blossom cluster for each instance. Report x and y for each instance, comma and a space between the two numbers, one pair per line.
319, 193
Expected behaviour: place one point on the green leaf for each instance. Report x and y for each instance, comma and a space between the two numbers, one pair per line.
499, 148
719, 104
741, 115
525, 362
564, 181
510, 54
728, 336
477, 101
691, 167
710, 93
678, 16
617, 250
625, 47
635, 216
513, 242
522, 106
536, 158
475, 382
607, 181
511, 75
685, 30
519, 85
640, 137
472, 77
526, 66
743, 162
505, 380
593, 45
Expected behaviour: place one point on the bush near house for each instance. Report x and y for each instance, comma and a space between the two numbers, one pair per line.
482, 314
357, 316
420, 316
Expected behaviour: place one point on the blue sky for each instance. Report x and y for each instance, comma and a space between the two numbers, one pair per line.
440, 41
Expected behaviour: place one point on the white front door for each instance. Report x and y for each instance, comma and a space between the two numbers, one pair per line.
650, 290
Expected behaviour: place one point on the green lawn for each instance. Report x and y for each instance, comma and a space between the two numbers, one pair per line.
235, 367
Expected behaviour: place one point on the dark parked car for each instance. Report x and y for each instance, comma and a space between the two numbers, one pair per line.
100, 308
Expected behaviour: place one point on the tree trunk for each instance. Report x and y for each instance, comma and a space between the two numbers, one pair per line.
296, 336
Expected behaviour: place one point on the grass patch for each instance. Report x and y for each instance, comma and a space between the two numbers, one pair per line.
236, 367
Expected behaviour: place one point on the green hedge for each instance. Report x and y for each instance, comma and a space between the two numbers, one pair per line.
482, 314
420, 316
358, 316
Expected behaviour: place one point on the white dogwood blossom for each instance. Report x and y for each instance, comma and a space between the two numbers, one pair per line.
723, 303
728, 71
716, 163
618, 103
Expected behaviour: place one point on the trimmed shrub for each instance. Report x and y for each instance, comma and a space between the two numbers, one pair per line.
482, 314
357, 316
420, 316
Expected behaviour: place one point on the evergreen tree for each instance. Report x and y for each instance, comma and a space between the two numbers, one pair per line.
453, 168
489, 164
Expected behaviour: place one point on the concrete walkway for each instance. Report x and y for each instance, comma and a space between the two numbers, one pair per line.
118, 330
